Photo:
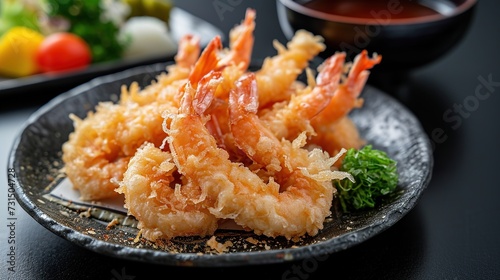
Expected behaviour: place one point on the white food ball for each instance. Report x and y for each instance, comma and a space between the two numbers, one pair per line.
147, 37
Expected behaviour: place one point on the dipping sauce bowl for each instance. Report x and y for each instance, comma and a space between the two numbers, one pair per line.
407, 33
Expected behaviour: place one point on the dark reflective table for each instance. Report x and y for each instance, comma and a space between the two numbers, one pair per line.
452, 233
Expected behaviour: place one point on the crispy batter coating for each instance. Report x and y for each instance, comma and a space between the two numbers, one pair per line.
210, 140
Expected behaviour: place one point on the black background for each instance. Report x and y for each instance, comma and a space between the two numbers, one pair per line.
452, 233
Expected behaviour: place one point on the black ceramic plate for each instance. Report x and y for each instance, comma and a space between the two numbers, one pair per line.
36, 160
181, 22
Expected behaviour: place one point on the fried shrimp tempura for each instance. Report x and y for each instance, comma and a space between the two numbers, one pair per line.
296, 202
209, 140
279, 73
290, 118
164, 206
298, 197
334, 129
159, 201
97, 152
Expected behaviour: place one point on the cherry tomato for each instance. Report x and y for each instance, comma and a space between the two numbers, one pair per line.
63, 51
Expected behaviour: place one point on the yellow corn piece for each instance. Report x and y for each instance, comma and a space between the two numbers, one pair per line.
18, 47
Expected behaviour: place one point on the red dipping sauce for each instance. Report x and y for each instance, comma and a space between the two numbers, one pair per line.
365, 9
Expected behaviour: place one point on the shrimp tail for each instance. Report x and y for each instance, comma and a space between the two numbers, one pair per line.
207, 62
189, 50
248, 102
197, 100
327, 83
241, 42
359, 72
206, 91
330, 71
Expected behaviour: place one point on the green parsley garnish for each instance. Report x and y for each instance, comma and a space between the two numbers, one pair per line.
375, 175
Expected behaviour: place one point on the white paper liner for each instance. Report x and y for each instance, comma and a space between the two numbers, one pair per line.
65, 191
